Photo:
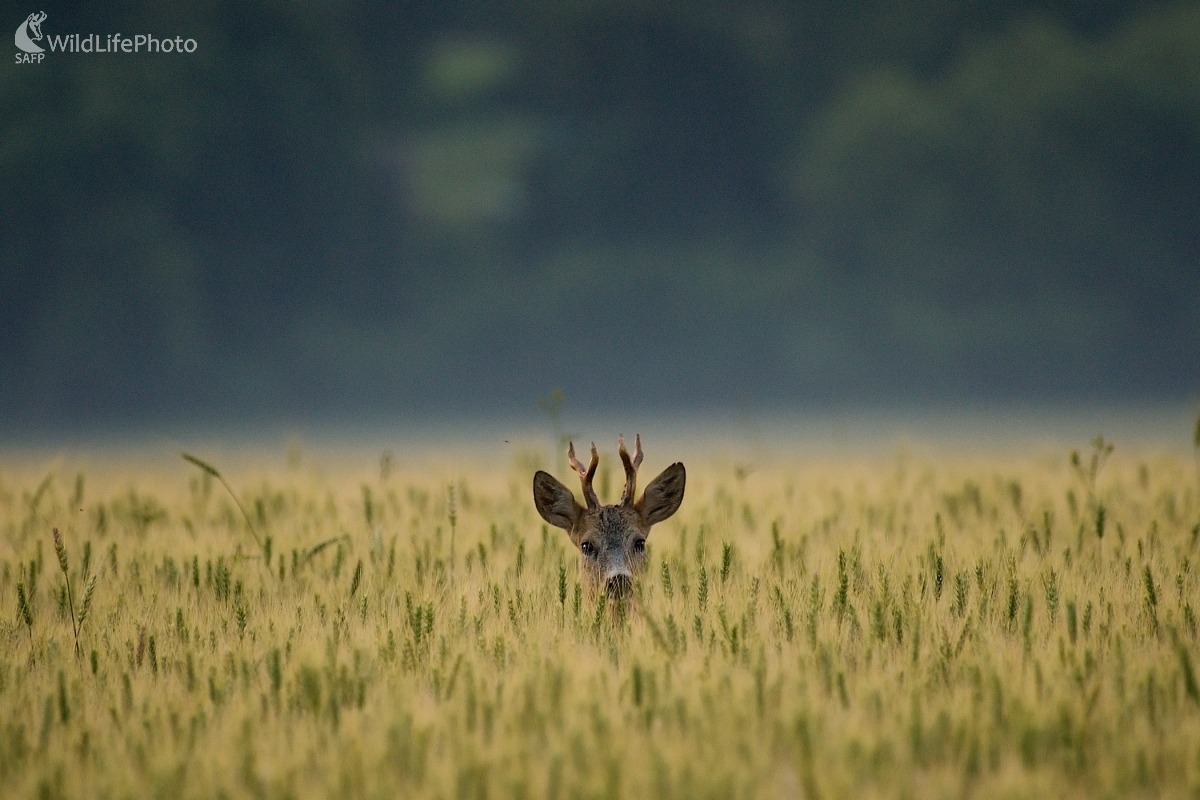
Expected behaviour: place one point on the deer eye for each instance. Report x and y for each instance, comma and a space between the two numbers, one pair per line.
639, 545
588, 549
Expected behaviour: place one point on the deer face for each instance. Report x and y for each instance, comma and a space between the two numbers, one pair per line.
611, 539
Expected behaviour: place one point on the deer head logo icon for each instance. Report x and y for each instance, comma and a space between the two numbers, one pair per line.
30, 32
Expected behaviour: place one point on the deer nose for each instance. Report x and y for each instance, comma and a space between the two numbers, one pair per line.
619, 586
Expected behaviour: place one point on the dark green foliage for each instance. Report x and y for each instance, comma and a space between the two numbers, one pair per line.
23, 607
274, 670
1151, 596
1189, 675
969, 139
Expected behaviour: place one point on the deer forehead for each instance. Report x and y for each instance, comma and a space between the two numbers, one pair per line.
612, 525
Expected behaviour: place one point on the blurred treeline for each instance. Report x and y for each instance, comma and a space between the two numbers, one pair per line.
335, 208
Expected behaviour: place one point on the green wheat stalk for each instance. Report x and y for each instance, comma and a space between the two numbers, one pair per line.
86, 606
60, 550
316, 549
26, 614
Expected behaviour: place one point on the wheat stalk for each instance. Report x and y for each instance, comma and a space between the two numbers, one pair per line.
211, 470
60, 550
26, 614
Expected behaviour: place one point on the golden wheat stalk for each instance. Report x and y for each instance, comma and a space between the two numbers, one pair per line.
61, 550
211, 470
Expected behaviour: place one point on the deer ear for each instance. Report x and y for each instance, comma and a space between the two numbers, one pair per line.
554, 501
663, 496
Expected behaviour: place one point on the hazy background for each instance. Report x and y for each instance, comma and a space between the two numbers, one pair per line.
337, 212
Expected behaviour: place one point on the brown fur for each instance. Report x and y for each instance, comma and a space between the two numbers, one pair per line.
611, 538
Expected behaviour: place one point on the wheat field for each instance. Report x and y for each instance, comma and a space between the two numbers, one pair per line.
902, 625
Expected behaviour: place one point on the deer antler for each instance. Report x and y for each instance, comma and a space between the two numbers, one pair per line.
631, 467
586, 475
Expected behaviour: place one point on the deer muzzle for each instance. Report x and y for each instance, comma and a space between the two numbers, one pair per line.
619, 586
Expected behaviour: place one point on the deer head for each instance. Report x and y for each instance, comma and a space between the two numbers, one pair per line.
611, 539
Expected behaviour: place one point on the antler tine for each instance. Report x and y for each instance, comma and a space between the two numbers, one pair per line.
585, 475
631, 467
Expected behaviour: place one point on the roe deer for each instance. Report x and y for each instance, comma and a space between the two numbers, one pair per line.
611, 538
